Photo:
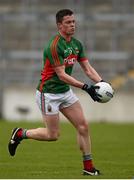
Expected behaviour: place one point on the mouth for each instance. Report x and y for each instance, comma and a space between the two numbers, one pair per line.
73, 29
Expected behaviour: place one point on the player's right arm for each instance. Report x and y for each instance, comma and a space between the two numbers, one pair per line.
63, 76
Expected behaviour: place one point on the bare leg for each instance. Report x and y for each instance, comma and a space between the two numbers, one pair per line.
49, 133
75, 115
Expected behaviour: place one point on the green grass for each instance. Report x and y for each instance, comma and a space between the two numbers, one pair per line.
112, 148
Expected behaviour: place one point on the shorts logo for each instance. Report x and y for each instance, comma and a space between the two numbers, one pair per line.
49, 108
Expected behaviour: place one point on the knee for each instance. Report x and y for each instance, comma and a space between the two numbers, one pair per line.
53, 136
83, 129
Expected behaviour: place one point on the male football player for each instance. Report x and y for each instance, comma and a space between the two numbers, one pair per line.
54, 93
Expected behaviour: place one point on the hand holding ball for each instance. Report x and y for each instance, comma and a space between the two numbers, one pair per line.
105, 92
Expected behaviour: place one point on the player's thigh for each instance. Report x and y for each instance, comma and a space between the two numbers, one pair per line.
75, 114
52, 122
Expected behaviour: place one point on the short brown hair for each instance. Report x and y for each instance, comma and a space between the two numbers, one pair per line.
61, 13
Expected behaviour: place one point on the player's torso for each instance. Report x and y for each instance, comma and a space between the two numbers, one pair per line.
68, 53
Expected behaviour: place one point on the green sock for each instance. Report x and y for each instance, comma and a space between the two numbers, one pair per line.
24, 136
87, 157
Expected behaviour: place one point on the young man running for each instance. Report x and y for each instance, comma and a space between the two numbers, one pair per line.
54, 93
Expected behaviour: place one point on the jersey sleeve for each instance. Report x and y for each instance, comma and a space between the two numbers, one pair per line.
54, 53
81, 55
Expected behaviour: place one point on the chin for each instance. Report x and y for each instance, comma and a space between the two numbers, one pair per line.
71, 33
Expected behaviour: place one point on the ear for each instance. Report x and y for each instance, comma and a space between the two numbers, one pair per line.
59, 25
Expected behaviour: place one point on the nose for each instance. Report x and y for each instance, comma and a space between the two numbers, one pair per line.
72, 24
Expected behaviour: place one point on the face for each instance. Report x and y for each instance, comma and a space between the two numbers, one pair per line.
67, 26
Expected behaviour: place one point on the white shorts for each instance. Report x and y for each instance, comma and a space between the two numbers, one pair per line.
51, 104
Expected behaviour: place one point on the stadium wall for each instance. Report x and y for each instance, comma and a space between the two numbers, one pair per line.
19, 104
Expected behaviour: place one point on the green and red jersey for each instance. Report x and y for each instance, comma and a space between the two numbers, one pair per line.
59, 52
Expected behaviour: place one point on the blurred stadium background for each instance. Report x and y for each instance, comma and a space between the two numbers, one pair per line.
106, 28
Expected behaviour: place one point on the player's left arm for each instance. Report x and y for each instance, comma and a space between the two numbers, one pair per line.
90, 71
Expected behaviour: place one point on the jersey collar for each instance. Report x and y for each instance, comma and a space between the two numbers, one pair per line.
64, 38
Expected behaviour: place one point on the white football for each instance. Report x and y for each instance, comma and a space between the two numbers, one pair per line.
105, 91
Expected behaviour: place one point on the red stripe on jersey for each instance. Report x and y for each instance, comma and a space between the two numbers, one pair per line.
54, 51
46, 73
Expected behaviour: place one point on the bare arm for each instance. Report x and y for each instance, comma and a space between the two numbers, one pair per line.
63, 76
90, 71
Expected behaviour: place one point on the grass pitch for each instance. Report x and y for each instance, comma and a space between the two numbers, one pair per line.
112, 148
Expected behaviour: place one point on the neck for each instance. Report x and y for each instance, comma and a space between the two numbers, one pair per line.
66, 37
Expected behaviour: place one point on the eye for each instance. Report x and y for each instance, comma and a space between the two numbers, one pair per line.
68, 22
